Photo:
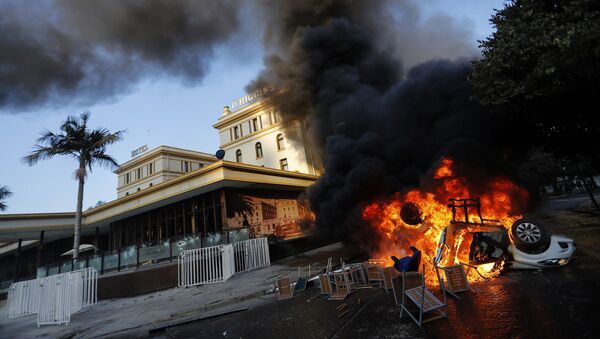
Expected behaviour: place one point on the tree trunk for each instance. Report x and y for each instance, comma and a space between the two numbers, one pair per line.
78, 213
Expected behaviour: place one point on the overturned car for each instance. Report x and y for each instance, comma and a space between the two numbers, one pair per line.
526, 245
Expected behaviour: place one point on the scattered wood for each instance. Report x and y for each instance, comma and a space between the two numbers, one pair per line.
343, 313
341, 307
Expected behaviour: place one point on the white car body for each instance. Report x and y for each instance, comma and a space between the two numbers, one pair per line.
558, 253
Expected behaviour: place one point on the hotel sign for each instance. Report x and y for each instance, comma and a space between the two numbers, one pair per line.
251, 97
139, 151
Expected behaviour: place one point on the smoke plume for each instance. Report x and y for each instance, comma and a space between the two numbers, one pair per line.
381, 126
89, 51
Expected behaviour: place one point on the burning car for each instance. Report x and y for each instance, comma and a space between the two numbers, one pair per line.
528, 245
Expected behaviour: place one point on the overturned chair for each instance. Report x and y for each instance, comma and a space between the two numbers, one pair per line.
416, 300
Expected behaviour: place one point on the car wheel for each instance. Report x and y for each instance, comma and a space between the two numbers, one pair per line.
529, 235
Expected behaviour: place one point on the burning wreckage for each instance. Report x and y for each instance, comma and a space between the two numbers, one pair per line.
460, 232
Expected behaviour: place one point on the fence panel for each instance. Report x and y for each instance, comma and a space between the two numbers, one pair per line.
54, 298
205, 265
23, 298
251, 254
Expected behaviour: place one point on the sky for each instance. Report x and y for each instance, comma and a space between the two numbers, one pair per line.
159, 111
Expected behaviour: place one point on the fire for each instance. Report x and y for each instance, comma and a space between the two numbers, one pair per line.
500, 198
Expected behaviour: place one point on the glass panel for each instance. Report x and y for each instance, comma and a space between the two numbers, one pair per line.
128, 256
151, 254
214, 239
80, 264
95, 262
53, 270
238, 235
65, 267
110, 262
41, 272
187, 243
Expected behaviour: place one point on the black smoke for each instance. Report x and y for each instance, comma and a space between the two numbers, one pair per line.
381, 128
88, 51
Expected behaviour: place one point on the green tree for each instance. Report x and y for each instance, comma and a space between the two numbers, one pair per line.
86, 146
4, 194
541, 67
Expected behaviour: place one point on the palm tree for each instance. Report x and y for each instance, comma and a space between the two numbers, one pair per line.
86, 146
4, 193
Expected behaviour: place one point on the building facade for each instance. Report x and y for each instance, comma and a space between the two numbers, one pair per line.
170, 199
254, 134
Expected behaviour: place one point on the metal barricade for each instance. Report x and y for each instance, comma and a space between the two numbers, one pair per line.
205, 265
54, 298
251, 254
23, 298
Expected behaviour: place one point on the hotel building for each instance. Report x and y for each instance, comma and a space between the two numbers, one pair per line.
171, 199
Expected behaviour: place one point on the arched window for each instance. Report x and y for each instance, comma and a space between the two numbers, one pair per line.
238, 155
280, 142
258, 147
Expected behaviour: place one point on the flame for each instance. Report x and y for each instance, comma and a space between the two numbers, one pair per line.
500, 198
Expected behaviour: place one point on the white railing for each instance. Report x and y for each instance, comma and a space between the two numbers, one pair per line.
54, 298
251, 254
23, 298
205, 265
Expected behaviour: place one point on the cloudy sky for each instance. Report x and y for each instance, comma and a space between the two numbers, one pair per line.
161, 109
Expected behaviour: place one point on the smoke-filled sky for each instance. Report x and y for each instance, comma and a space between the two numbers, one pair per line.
163, 70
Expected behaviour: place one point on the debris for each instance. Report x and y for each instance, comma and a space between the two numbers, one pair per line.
225, 333
341, 307
284, 289
343, 313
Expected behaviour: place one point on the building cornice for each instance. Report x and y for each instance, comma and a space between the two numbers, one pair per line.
241, 114
58, 215
163, 150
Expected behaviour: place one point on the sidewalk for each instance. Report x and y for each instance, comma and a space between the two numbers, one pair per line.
146, 311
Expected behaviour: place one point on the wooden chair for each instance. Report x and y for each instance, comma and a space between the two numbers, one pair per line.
284, 289
340, 286
456, 279
423, 301
406, 280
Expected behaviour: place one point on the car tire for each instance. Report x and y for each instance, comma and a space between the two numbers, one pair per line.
529, 235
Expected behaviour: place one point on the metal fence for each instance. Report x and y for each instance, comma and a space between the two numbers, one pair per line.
251, 254
205, 265
24, 298
54, 298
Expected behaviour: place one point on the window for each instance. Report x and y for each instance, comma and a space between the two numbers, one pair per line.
139, 173
150, 185
236, 132
150, 168
259, 152
276, 117
185, 166
238, 155
127, 178
139, 189
283, 164
126, 193
280, 142
255, 124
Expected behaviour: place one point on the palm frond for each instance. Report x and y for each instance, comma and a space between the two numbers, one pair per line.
4, 194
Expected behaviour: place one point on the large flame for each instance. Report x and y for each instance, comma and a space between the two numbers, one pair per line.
500, 199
